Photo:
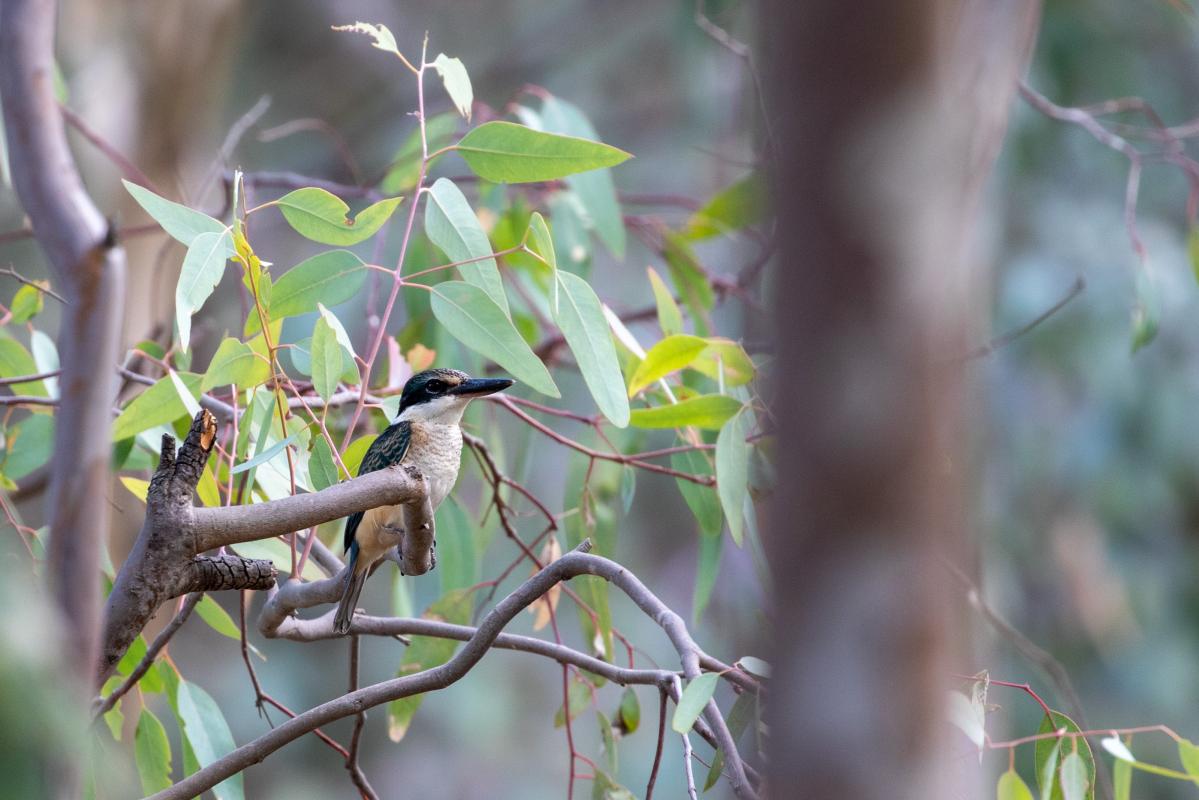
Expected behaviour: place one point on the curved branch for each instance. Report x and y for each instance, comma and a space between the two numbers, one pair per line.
578, 562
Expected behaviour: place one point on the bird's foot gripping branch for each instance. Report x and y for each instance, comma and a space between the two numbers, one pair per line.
168, 558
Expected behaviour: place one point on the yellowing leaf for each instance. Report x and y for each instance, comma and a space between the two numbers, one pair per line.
667, 356
136, 486
708, 411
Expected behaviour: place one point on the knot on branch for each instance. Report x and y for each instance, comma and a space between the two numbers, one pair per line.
215, 573
177, 474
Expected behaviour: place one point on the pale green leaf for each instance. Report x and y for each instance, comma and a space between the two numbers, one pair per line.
451, 224
343, 338
1074, 778
542, 243
968, 716
16, 361
473, 318
319, 215
1114, 745
504, 152
734, 207
266, 455
152, 751
1012, 787
1122, 780
669, 355
185, 394
158, 405
235, 362
608, 739
353, 455
1188, 754
744, 711
326, 359
670, 319
27, 303
405, 165
693, 700
28, 446
45, 358
217, 618
755, 666
708, 411
322, 470
180, 222
330, 278
732, 472
457, 82
208, 734
578, 698
725, 360
708, 567
202, 269
581, 319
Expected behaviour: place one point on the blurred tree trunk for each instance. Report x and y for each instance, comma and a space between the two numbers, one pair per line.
890, 114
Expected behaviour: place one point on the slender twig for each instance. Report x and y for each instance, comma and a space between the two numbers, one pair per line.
356, 774
1003, 340
54, 373
130, 170
105, 705
653, 773
12, 273
687, 755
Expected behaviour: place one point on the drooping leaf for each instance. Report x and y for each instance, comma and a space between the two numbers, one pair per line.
27, 303
595, 189
339, 331
578, 697
1114, 745
473, 318
158, 405
967, 716
208, 734
1012, 787
217, 618
1146, 313
542, 243
180, 222
451, 224
321, 468
603, 787
45, 358
184, 393
235, 362
669, 355
630, 711
28, 446
702, 500
152, 751
504, 152
732, 208
455, 548
326, 359
689, 279
670, 319
1122, 780
744, 711
708, 411
457, 82
202, 269
581, 318
693, 700
1055, 749
426, 652
16, 361
732, 472
724, 359
265, 456
1074, 778
755, 666
330, 278
323, 217
611, 754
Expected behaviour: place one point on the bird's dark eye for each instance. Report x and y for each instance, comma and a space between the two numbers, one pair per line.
436, 386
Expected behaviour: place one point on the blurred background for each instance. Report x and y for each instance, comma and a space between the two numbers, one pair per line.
1086, 509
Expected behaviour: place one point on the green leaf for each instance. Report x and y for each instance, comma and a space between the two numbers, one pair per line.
237, 363
542, 243
27, 303
322, 470
184, 394
180, 222
630, 710
734, 207
352, 457
208, 734
202, 269
727, 360
1048, 749
702, 500
611, 755
581, 319
28, 446
1188, 754
595, 190
754, 666
323, 217
667, 356
708, 411
16, 361
693, 700
158, 405
578, 697
1074, 778
473, 318
326, 359
152, 751
457, 82
744, 711
455, 548
504, 152
732, 472
710, 547
114, 717
451, 224
1012, 787
278, 551
1122, 780
426, 652
217, 618
343, 338
331, 278
1047, 772
1146, 313
265, 456
670, 319
689, 278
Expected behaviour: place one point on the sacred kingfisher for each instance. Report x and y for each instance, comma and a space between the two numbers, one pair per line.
425, 434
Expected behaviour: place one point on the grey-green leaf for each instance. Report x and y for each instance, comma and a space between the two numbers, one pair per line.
326, 359
473, 318
732, 472
504, 152
693, 700
581, 318
235, 363
457, 82
451, 224
323, 217
331, 278
1074, 778
321, 469
208, 734
152, 751
202, 269
180, 222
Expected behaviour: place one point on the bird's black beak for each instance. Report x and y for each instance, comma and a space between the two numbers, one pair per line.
480, 387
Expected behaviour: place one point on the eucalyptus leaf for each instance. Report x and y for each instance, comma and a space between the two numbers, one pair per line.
235, 363
693, 700
709, 411
208, 734
331, 278
323, 217
581, 319
203, 266
457, 82
152, 751
732, 472
504, 152
669, 355
158, 405
180, 222
451, 224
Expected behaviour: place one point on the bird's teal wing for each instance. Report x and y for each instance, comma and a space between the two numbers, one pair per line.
388, 449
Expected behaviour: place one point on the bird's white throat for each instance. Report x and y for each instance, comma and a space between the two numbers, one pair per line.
446, 410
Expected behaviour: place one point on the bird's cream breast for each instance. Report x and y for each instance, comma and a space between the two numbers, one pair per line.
436, 450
